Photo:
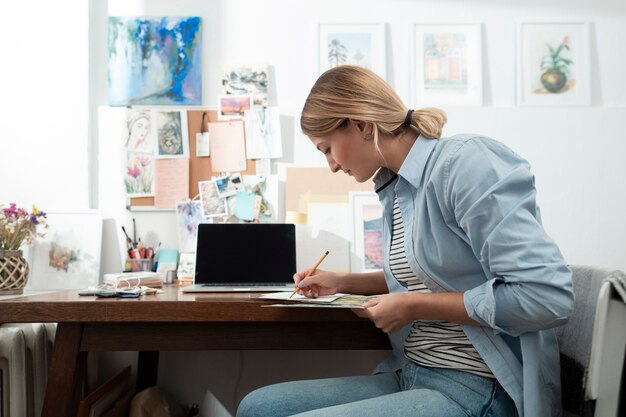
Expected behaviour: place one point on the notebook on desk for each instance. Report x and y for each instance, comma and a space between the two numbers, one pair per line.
244, 257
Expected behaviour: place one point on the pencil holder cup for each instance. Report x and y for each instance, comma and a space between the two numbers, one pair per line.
137, 265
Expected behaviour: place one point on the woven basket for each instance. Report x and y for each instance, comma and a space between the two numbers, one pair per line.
13, 272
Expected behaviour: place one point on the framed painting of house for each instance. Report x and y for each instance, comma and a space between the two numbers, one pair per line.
447, 68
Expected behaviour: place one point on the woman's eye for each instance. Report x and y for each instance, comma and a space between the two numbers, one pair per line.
326, 151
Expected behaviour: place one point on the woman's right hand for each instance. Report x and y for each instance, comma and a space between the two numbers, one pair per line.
318, 284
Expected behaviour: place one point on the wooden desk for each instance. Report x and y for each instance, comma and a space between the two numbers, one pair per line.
175, 321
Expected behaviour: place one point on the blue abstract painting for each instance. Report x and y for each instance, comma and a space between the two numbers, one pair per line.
155, 61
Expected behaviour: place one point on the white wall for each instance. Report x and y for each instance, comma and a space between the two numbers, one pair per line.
43, 104
576, 153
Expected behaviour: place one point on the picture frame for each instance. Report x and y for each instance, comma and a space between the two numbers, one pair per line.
68, 256
366, 246
553, 64
447, 65
186, 266
362, 45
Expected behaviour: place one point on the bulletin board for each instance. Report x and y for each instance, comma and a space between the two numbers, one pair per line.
199, 167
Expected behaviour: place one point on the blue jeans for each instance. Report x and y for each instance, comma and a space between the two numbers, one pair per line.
415, 391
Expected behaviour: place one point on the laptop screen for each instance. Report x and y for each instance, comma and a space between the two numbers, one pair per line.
245, 254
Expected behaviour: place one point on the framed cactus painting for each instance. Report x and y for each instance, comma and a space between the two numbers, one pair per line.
553, 64
353, 44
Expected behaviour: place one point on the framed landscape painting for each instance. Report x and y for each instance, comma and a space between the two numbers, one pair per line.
353, 44
68, 257
447, 65
366, 252
553, 64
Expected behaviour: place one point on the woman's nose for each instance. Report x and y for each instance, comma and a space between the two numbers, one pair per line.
334, 166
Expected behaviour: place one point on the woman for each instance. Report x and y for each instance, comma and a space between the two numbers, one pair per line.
467, 265
138, 128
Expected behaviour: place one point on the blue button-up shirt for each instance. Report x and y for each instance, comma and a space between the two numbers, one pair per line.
472, 225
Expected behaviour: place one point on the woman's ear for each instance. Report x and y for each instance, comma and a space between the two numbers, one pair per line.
364, 128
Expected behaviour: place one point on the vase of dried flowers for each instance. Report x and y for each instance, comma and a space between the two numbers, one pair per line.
17, 227
13, 272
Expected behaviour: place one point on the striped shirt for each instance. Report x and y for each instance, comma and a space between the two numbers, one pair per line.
439, 344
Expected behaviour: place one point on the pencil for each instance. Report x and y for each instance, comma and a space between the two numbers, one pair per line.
311, 271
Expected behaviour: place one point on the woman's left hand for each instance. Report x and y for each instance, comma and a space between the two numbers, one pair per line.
390, 312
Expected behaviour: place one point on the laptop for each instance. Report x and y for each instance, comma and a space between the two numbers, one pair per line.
244, 257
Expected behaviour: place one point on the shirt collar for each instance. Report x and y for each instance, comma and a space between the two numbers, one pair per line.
414, 164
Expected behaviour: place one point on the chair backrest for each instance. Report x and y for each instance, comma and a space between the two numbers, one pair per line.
575, 340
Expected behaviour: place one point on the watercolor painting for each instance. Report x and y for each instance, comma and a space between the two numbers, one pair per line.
172, 136
188, 217
249, 80
360, 45
367, 232
139, 174
137, 134
233, 107
554, 64
68, 257
448, 64
155, 61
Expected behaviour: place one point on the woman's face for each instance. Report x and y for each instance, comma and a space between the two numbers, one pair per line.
347, 150
140, 128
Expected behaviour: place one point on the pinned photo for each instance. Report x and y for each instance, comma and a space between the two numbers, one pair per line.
249, 79
229, 185
212, 204
233, 106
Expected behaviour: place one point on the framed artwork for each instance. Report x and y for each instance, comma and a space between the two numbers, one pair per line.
155, 61
186, 265
251, 80
68, 257
447, 67
553, 64
366, 252
353, 44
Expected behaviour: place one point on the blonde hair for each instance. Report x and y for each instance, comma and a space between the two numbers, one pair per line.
353, 93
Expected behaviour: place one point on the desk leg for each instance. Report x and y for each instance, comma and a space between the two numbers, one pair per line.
147, 369
65, 372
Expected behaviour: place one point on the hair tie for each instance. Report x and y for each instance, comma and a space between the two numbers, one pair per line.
408, 118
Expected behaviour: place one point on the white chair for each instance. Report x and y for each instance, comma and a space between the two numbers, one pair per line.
592, 345
13, 370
